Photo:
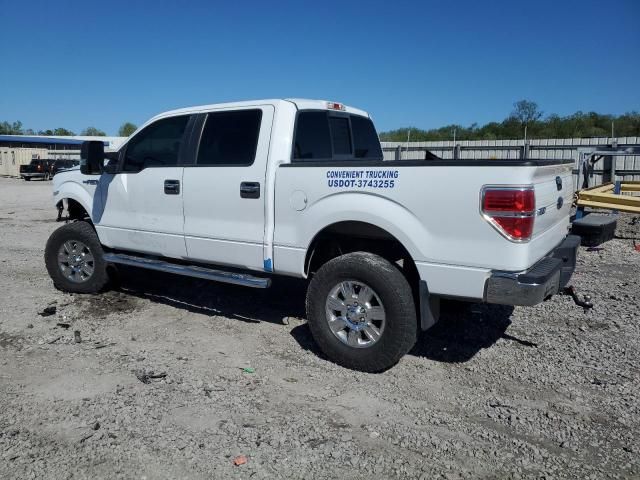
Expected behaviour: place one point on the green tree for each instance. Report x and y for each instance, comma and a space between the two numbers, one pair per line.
526, 112
126, 129
577, 125
63, 132
93, 132
14, 128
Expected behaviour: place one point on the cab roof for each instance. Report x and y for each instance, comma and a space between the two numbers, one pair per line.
300, 104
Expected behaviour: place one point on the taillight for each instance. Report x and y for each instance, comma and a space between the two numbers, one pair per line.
510, 210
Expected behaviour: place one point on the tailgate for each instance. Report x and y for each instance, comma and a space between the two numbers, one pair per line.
553, 186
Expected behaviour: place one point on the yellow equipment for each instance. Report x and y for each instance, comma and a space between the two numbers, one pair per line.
621, 196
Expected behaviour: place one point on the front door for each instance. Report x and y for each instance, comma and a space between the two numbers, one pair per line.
224, 191
142, 204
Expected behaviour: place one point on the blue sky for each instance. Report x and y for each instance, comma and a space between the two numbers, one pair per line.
423, 63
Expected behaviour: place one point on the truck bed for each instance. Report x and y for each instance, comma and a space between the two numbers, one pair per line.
431, 207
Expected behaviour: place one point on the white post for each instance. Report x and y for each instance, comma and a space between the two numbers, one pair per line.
407, 147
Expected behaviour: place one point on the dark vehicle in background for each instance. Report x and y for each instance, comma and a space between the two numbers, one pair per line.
37, 169
60, 165
45, 169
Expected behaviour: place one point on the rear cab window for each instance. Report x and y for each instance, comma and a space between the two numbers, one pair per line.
322, 135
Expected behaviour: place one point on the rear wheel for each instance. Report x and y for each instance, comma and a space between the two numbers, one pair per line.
361, 312
73, 256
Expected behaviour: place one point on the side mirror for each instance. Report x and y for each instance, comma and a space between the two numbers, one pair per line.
92, 157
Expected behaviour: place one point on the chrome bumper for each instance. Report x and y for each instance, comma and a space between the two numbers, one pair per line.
544, 279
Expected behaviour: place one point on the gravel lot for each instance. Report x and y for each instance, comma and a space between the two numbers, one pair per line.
490, 392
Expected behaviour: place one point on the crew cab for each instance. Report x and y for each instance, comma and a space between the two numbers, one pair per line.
37, 168
241, 192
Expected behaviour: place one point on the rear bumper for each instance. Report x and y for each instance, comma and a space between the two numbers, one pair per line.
545, 278
31, 175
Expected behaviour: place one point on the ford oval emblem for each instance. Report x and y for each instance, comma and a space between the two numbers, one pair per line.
560, 203
559, 183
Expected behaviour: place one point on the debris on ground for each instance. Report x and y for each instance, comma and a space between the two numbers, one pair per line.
63, 325
146, 376
48, 311
76, 336
86, 437
240, 460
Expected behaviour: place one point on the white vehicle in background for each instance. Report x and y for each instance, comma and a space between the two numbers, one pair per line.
240, 192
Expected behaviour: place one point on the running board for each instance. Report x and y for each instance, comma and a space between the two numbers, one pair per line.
188, 270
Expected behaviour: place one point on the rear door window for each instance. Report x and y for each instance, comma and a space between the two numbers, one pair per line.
322, 135
230, 138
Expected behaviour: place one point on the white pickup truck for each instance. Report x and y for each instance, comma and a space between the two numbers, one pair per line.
239, 192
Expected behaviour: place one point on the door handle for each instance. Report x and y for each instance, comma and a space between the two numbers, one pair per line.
250, 190
172, 187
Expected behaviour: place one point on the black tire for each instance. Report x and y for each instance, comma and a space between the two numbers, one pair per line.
390, 285
27, 179
79, 232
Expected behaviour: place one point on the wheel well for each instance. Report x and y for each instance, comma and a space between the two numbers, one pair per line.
74, 209
345, 237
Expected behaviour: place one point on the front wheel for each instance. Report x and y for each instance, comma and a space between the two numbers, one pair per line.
73, 257
361, 312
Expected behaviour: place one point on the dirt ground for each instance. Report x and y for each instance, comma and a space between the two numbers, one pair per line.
489, 392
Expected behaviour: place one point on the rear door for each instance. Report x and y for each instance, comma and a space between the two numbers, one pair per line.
142, 205
224, 191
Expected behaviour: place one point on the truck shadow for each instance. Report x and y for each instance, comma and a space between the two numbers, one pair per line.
284, 299
463, 331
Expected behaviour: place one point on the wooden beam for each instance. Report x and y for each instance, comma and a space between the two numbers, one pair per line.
611, 206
